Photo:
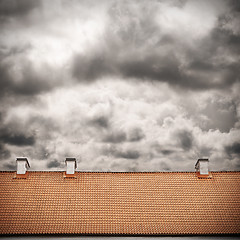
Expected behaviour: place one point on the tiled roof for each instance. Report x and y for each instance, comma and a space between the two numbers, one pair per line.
120, 203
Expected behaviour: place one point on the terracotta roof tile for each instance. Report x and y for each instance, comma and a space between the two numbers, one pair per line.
120, 203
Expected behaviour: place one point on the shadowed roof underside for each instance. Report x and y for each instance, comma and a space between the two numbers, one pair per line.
120, 203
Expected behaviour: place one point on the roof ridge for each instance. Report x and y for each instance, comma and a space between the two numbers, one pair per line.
43, 171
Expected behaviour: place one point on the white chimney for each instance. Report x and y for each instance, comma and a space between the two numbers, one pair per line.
202, 166
71, 165
22, 165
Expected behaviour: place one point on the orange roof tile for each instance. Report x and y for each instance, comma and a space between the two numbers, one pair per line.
120, 203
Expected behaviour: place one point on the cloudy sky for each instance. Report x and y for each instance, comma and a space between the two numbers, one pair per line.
120, 85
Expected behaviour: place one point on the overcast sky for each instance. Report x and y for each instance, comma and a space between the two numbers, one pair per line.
120, 85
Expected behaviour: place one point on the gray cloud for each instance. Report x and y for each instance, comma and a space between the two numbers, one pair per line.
119, 136
117, 152
15, 8
14, 138
186, 139
10, 130
129, 154
163, 91
53, 164
206, 151
134, 46
4, 153
167, 152
165, 166
115, 137
221, 115
30, 84
18, 139
233, 149
100, 121
10, 166
135, 135
19, 78
91, 67
162, 149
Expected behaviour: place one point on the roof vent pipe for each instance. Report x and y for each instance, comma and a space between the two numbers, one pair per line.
202, 167
22, 165
71, 165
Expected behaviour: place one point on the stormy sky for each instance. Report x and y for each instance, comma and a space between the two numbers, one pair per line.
148, 85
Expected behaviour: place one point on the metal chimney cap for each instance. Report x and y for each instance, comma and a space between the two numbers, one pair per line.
72, 160
23, 159
201, 160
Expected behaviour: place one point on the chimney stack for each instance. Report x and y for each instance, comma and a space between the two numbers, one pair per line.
202, 166
71, 165
22, 165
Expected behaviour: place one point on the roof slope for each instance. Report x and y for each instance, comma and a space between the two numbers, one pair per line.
120, 203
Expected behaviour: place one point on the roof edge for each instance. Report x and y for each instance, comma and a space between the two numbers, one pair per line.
122, 234
37, 171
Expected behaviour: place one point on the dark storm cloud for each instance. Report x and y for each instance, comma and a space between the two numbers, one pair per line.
185, 139
53, 164
26, 80
31, 83
17, 139
225, 37
154, 67
13, 8
233, 149
165, 68
135, 47
13, 137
